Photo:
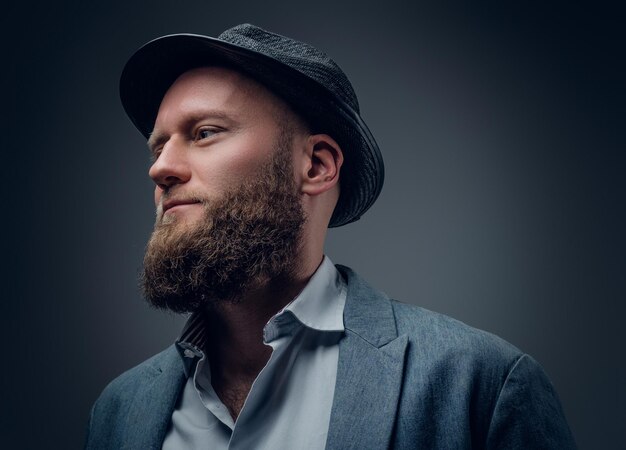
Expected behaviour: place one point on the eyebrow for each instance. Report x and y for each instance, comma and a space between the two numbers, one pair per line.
158, 138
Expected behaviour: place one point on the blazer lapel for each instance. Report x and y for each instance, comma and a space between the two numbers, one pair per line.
151, 410
369, 373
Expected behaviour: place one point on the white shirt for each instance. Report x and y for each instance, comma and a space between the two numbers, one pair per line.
290, 401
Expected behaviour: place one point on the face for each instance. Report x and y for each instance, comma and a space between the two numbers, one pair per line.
229, 212
215, 128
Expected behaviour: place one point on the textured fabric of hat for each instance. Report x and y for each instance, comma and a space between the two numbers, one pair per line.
305, 77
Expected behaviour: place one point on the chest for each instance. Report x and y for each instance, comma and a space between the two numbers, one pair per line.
289, 401
233, 393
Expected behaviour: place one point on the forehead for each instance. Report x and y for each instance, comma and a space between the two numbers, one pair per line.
217, 88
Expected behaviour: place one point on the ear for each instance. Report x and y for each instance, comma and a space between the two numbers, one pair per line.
324, 160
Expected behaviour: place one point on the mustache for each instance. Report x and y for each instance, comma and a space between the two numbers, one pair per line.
169, 197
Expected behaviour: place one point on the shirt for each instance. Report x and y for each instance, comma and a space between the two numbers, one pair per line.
289, 403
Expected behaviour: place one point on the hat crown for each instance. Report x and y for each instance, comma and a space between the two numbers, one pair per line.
300, 56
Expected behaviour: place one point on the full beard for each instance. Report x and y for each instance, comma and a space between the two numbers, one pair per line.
244, 241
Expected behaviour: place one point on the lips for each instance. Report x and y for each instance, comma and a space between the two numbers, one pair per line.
169, 204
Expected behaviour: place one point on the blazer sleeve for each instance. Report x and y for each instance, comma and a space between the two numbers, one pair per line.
528, 413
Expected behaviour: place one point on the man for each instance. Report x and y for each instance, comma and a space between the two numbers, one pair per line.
258, 148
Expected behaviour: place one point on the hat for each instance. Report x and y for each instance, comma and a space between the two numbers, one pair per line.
306, 78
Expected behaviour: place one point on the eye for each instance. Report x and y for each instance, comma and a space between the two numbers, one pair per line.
205, 133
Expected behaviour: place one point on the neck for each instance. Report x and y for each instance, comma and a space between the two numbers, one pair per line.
235, 345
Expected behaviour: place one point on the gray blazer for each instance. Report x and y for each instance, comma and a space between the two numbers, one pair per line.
407, 378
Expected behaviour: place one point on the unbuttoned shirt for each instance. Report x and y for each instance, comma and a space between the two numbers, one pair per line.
289, 403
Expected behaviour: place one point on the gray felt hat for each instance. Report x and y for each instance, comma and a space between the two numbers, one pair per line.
306, 78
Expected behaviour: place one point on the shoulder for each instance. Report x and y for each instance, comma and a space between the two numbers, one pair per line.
455, 359
435, 333
505, 393
112, 406
441, 351
434, 336
459, 383
128, 382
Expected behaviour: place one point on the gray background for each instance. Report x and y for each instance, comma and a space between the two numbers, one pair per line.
502, 129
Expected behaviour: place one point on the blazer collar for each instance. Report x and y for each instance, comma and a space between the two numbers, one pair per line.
370, 370
368, 312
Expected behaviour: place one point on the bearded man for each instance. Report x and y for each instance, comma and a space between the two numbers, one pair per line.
258, 147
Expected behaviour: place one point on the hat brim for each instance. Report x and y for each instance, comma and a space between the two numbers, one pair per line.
150, 72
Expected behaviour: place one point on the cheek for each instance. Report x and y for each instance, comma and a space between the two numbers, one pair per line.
234, 165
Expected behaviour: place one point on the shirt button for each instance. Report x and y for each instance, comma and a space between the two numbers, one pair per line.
189, 353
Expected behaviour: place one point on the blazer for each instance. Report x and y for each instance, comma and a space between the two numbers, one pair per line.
406, 378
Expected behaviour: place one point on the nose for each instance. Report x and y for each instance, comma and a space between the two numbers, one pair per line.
171, 166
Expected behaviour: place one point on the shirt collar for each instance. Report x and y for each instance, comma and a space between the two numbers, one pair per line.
319, 306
